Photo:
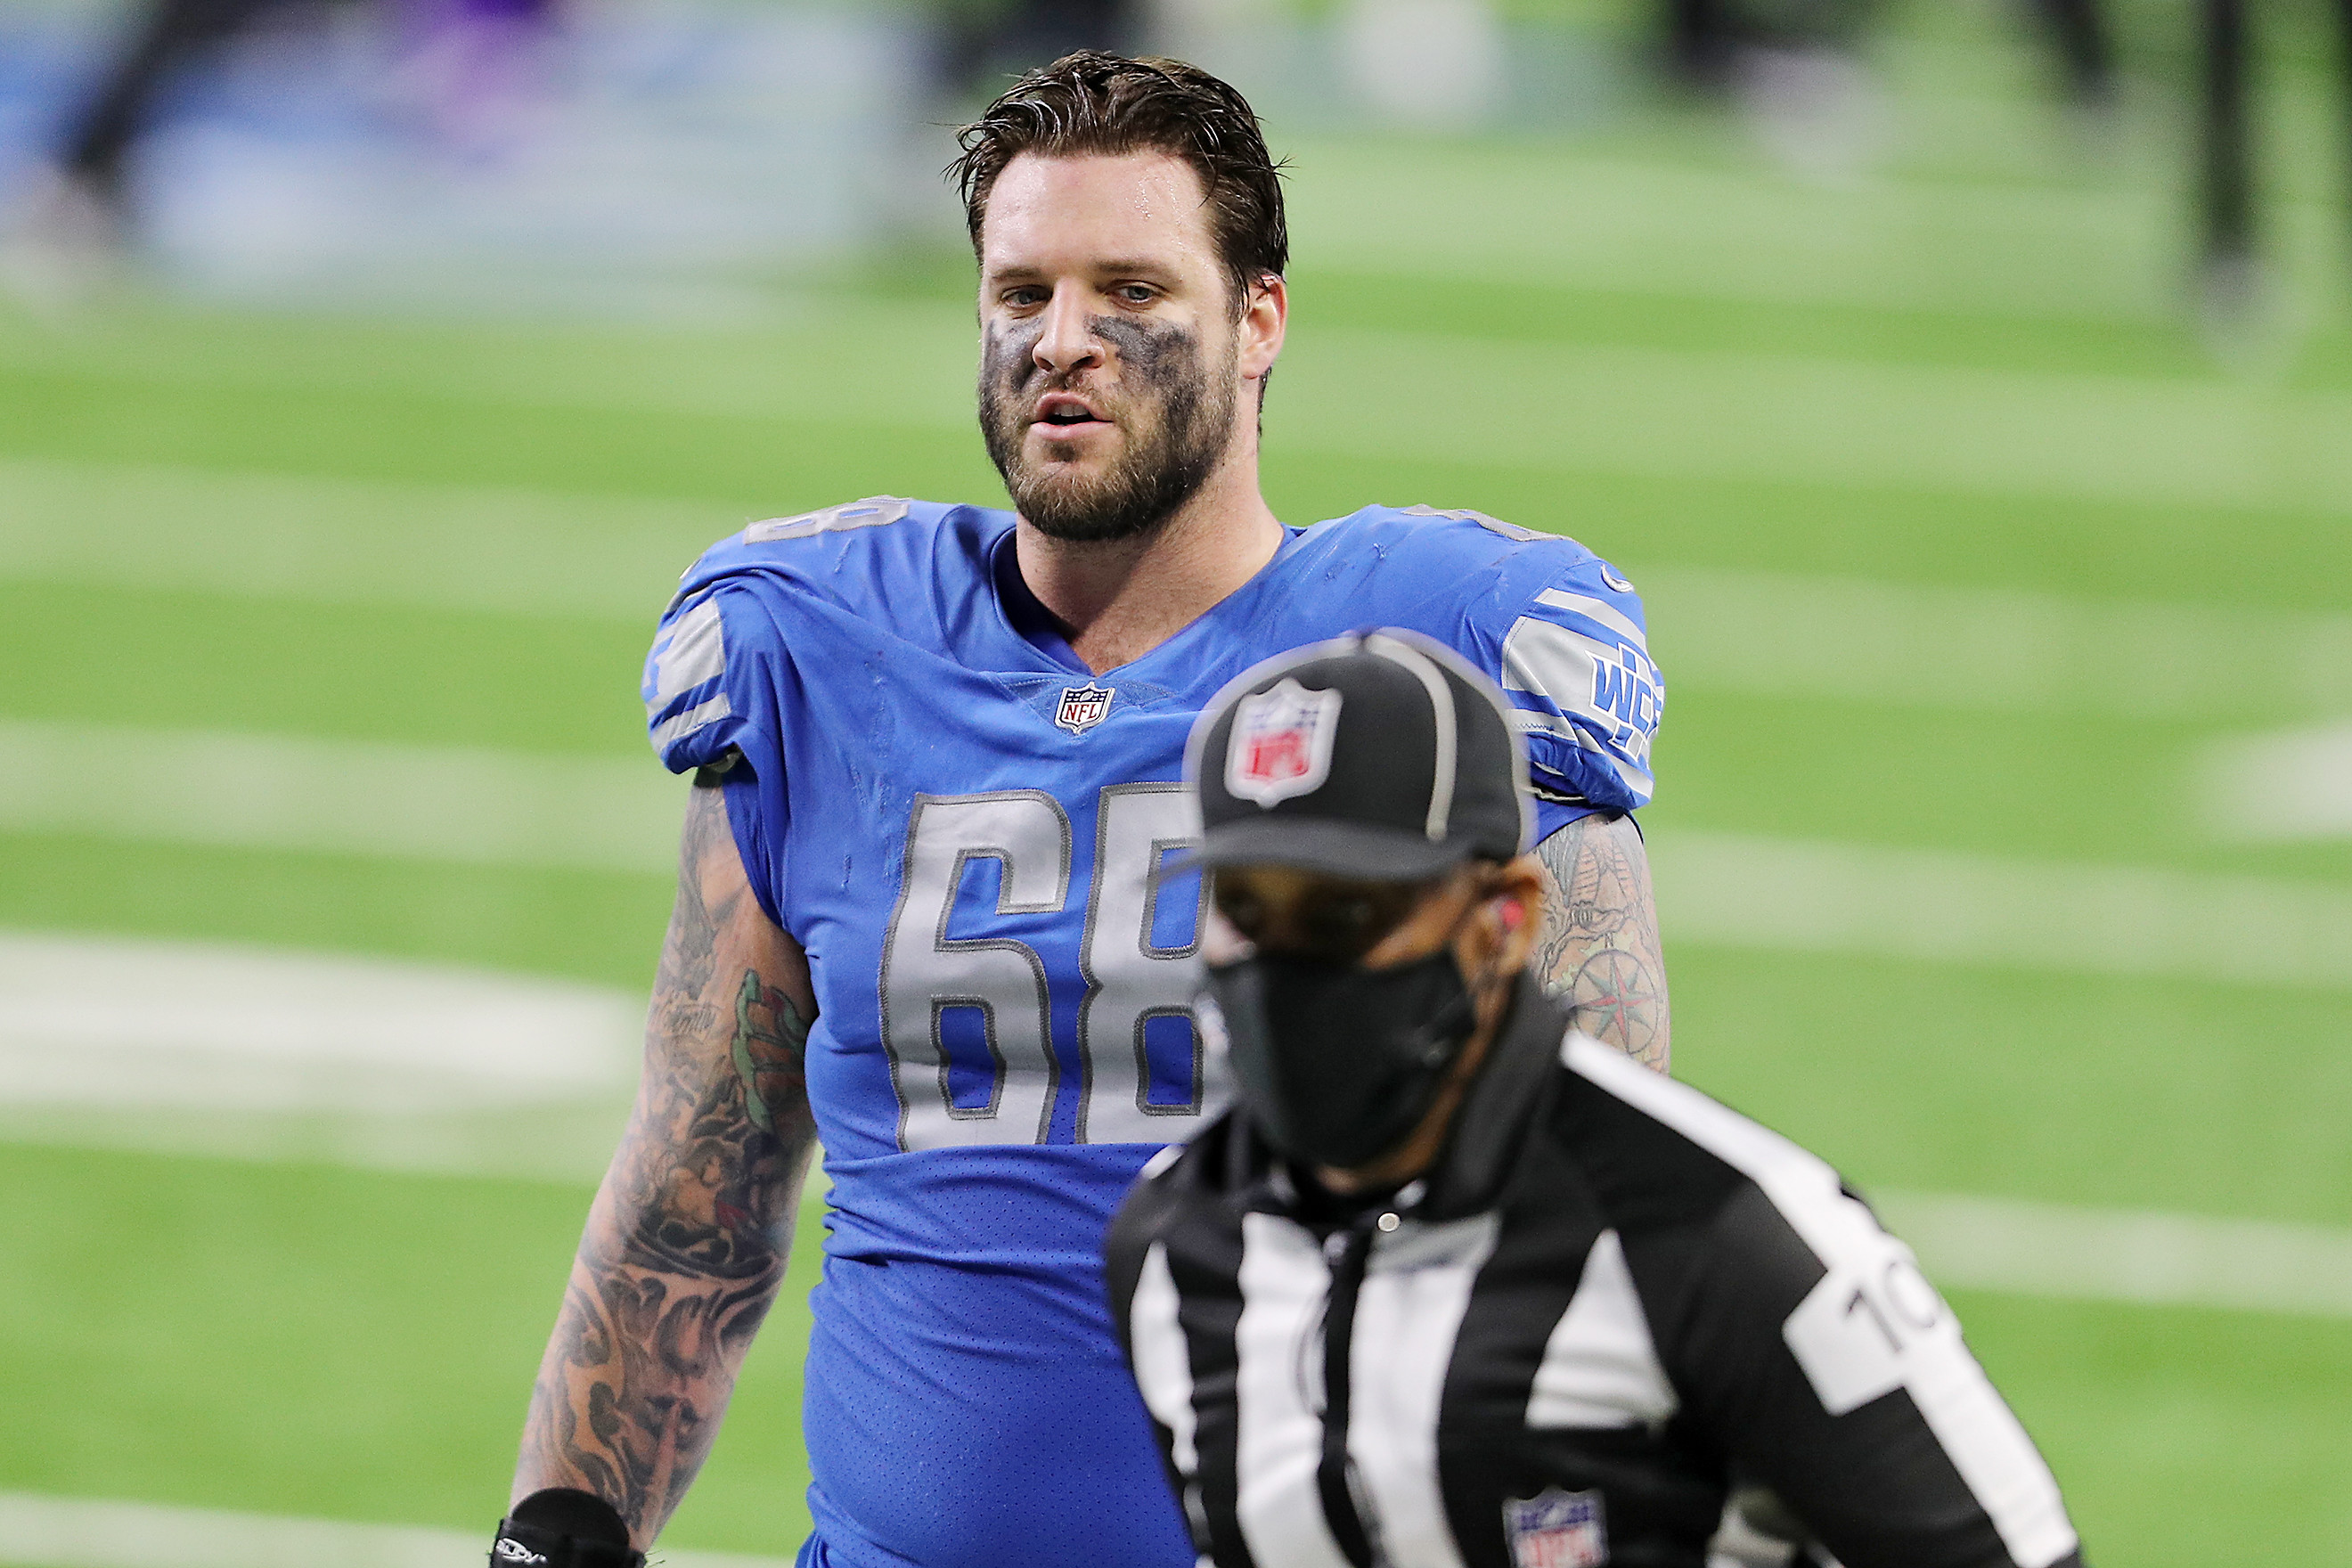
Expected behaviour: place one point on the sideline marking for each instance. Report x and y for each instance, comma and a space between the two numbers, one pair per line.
2164, 441
1971, 1242
2289, 787
92, 1532
591, 813
1654, 228
511, 551
341, 798
125, 1024
531, 552
1935, 428
1992, 650
121, 1027
2124, 1254
1940, 907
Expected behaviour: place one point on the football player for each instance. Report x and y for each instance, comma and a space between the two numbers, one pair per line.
938, 752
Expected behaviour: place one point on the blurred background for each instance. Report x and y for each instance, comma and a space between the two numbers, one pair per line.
1965, 384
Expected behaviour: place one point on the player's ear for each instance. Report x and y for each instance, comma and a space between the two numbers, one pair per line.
1265, 316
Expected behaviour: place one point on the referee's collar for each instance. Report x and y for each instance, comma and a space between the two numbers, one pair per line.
1483, 1142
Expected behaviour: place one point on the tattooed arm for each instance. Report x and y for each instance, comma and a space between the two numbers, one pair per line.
1598, 949
687, 1240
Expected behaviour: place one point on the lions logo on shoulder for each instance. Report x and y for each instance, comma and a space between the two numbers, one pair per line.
1556, 1528
1082, 707
1609, 575
1281, 744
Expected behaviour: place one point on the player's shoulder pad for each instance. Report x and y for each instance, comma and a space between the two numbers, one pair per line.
770, 545
1457, 537
1567, 638
1497, 566
710, 623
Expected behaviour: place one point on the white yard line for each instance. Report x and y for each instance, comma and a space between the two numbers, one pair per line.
1656, 413
2125, 1254
1991, 650
129, 1025
529, 553
1647, 413
94, 1532
1656, 228
2290, 786
511, 808
517, 551
345, 797
1940, 907
232, 1052
1993, 1245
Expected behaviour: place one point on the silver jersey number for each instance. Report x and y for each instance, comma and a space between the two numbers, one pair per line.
1131, 979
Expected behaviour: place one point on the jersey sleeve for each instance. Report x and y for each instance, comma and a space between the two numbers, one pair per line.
1825, 1364
712, 685
1574, 662
694, 714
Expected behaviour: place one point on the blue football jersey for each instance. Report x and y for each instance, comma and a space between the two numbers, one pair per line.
958, 822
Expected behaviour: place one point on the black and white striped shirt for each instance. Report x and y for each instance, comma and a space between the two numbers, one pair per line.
1611, 1294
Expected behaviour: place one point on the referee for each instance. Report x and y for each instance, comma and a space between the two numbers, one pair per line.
1454, 1285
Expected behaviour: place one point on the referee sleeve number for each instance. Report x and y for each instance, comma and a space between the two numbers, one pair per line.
968, 1020
1870, 1326
1874, 1325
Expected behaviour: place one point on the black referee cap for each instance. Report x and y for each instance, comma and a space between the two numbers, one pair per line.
1381, 755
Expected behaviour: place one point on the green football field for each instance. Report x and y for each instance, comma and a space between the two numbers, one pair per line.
1996, 607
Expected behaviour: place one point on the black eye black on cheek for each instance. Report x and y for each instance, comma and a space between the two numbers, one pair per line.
1151, 349
1005, 350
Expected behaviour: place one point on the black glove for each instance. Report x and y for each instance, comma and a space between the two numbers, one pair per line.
560, 1528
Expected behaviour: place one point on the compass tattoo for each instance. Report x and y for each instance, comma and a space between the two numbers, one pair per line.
1597, 950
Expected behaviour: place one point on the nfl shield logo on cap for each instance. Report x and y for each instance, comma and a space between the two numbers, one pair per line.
1281, 744
1556, 1528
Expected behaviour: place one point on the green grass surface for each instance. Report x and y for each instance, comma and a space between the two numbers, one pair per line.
304, 1340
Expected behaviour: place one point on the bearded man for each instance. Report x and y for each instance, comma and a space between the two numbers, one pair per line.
939, 753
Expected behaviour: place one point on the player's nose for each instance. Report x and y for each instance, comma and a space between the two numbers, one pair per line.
1068, 342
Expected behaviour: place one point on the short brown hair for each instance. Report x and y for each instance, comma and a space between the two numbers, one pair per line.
1092, 103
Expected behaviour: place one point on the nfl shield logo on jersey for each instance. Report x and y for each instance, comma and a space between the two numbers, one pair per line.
1281, 744
1556, 1528
1082, 707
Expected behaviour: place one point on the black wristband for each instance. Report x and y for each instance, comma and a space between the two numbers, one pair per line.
561, 1528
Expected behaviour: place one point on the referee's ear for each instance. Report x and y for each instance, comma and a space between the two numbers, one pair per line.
1501, 933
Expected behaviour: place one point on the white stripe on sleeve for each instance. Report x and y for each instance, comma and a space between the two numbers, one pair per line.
1612, 686
696, 652
693, 718
1593, 609
1549, 661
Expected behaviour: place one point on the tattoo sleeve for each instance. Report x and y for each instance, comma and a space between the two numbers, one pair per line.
1597, 947
686, 1239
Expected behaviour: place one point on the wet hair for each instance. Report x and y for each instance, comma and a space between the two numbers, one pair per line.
1092, 103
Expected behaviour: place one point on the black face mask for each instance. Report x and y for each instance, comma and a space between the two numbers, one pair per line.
1339, 1064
